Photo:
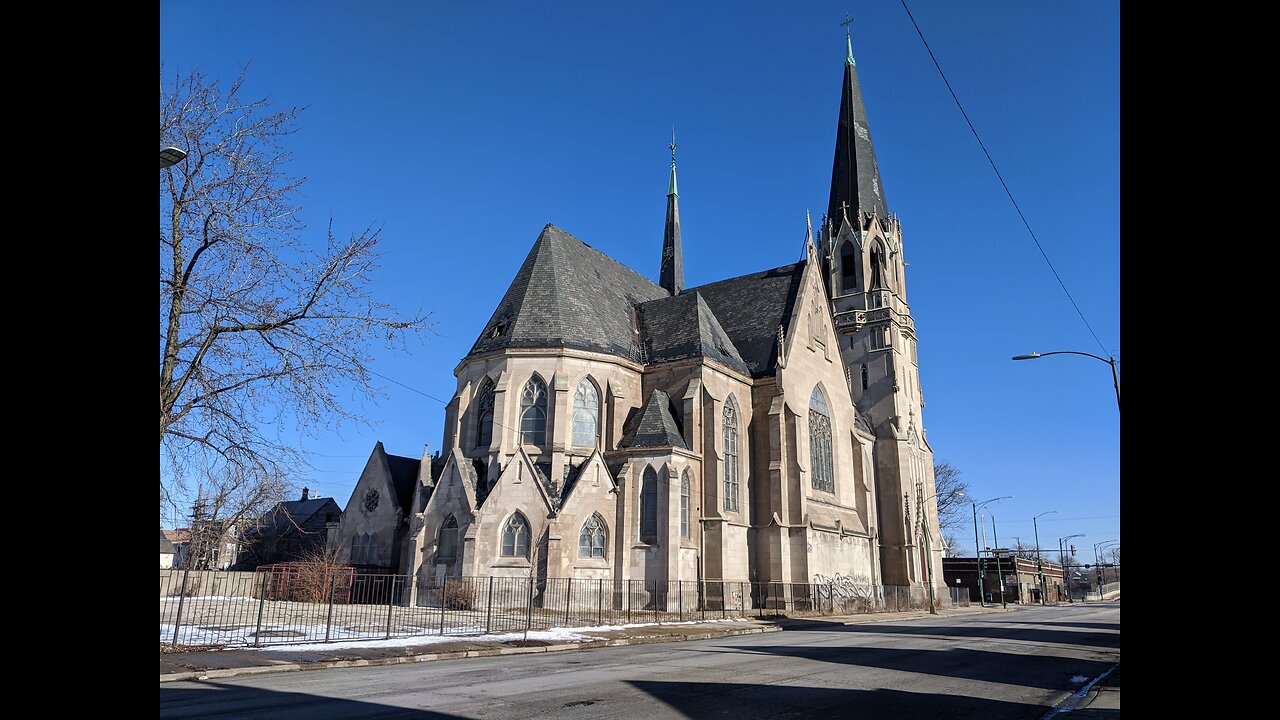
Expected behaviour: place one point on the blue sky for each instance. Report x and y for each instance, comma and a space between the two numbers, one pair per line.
462, 128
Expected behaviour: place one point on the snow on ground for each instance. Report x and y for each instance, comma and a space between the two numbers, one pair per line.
173, 599
293, 637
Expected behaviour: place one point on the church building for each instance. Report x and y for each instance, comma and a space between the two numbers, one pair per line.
760, 428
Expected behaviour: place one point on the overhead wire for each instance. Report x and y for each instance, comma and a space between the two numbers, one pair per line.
1003, 184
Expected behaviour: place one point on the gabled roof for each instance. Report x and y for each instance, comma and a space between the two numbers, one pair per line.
404, 477
568, 294
683, 326
653, 425
751, 308
287, 516
166, 547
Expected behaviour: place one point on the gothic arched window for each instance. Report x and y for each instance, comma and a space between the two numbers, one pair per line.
822, 474
684, 504
484, 414
592, 539
447, 547
533, 412
649, 506
848, 267
731, 484
515, 537
877, 266
586, 414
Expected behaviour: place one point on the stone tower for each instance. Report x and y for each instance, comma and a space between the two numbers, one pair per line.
864, 271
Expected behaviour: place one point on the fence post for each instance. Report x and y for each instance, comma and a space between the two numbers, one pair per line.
182, 595
831, 591
391, 605
262, 604
680, 598
444, 595
488, 611
600, 602
568, 595
333, 589
528, 605
653, 600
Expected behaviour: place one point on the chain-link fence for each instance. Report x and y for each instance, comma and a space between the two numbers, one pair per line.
288, 606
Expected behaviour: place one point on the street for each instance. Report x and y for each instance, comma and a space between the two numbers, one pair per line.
1018, 664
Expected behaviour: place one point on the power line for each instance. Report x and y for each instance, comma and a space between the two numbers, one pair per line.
1003, 184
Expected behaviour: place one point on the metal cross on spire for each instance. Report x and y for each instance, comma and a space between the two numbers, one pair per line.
848, 38
673, 145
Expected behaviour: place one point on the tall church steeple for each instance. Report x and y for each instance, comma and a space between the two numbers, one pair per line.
672, 276
855, 176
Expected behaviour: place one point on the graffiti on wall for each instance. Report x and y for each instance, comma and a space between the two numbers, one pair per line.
844, 586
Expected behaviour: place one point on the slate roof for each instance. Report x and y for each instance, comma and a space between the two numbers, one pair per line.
404, 477
652, 425
287, 516
683, 326
750, 309
568, 294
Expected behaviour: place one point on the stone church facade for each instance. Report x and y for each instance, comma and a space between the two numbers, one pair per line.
761, 428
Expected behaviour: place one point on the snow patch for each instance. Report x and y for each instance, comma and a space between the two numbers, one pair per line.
1079, 679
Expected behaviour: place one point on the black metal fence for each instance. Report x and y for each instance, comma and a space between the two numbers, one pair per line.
252, 609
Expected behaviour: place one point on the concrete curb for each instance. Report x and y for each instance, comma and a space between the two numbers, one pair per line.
702, 634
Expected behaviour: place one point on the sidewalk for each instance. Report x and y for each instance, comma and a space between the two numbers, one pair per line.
208, 664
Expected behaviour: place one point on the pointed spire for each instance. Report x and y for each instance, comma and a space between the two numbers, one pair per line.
671, 277
671, 189
855, 176
848, 39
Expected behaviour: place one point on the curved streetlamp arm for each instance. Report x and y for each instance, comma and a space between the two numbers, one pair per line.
1034, 356
1115, 374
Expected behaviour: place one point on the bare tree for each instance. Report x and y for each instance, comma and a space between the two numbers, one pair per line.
258, 326
952, 496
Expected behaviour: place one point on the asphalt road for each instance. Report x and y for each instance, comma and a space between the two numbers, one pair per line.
1009, 665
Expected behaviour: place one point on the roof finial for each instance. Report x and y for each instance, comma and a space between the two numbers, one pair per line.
672, 189
848, 39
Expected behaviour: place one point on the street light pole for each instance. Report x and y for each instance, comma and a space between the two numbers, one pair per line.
982, 570
1039, 561
1115, 375
995, 537
1097, 562
1103, 556
977, 549
1062, 559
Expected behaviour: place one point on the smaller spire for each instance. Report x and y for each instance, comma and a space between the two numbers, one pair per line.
672, 188
848, 39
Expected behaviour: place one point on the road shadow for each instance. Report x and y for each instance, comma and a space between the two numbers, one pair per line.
218, 700
1048, 672
706, 700
1093, 625
1002, 632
